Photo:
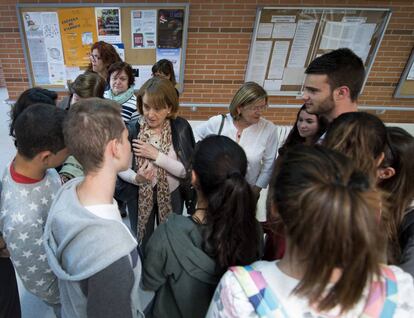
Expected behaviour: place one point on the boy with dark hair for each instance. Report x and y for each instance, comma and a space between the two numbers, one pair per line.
333, 82
29, 186
88, 247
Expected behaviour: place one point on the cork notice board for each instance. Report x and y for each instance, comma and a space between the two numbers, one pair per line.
405, 88
286, 39
57, 38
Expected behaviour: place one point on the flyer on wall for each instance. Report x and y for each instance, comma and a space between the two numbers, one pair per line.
173, 55
108, 22
45, 47
78, 30
170, 28
143, 29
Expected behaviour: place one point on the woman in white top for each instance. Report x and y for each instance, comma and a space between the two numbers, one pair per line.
335, 247
245, 125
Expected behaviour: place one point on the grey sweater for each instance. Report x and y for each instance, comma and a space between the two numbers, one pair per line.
95, 260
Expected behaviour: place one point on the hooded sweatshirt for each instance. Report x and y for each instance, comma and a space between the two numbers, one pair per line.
94, 258
178, 269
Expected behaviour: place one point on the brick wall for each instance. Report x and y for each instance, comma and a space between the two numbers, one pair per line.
218, 47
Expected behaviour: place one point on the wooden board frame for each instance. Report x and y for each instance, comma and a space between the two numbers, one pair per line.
145, 57
405, 87
320, 15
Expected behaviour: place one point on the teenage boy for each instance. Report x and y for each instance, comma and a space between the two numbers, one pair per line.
332, 84
91, 251
29, 186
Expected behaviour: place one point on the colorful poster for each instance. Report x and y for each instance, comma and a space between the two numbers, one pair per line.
108, 21
143, 29
78, 30
170, 28
173, 55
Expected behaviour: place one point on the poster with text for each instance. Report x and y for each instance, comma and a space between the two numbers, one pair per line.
78, 30
45, 46
143, 29
170, 28
173, 55
108, 22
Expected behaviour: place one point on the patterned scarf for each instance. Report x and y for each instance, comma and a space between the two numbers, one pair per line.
145, 199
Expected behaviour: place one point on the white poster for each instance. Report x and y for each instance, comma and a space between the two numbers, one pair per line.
143, 29
173, 55
45, 47
301, 43
144, 74
284, 30
278, 60
264, 31
258, 62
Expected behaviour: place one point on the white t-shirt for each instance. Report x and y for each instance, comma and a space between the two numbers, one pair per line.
259, 141
230, 300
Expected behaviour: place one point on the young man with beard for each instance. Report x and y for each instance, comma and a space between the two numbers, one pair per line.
332, 84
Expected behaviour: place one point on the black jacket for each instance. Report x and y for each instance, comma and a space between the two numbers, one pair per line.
182, 139
183, 143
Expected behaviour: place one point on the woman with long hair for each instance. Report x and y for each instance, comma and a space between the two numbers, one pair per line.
395, 178
102, 56
332, 265
307, 129
162, 144
361, 137
246, 126
186, 256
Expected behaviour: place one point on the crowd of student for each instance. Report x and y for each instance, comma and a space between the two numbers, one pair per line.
339, 235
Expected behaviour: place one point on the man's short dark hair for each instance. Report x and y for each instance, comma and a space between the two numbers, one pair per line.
343, 68
39, 128
29, 97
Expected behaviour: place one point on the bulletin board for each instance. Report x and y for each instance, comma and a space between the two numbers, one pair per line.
405, 88
286, 39
57, 38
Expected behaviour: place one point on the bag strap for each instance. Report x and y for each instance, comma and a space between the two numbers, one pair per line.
382, 296
262, 298
223, 117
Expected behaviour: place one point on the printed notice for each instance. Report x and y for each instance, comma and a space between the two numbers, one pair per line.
258, 62
272, 85
108, 21
284, 30
301, 43
174, 56
283, 18
264, 31
277, 63
143, 29
144, 73
78, 34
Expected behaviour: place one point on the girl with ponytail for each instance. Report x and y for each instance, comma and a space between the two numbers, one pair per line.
332, 264
186, 256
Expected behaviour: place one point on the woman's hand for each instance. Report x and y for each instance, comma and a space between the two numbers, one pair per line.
145, 173
143, 149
